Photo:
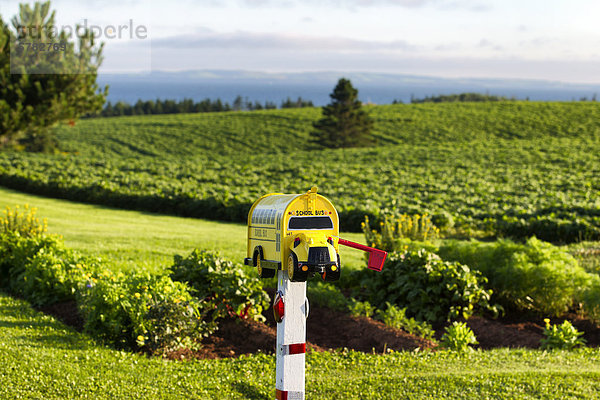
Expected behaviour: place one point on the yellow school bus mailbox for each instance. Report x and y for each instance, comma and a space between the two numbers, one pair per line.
299, 233
294, 232
296, 236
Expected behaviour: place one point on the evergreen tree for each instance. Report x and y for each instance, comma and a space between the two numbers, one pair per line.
344, 122
39, 89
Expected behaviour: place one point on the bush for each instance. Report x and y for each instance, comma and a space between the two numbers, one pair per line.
327, 295
144, 310
361, 308
532, 276
564, 336
41, 268
395, 230
213, 278
24, 223
458, 337
136, 310
396, 318
430, 289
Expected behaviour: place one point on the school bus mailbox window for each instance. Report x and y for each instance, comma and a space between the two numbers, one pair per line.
301, 223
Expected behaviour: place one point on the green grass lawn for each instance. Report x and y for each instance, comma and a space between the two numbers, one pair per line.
133, 239
42, 359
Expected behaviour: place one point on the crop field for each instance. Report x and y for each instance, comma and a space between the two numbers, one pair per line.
502, 169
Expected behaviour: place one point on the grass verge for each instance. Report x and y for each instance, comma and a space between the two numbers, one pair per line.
132, 239
41, 358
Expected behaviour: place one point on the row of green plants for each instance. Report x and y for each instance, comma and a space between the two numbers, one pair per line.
550, 203
463, 276
163, 312
155, 312
459, 337
432, 158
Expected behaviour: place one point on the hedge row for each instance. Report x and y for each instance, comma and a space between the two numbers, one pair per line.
139, 310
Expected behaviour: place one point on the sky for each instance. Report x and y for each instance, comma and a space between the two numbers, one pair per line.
527, 39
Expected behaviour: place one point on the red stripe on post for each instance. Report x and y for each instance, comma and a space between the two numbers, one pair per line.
280, 394
297, 348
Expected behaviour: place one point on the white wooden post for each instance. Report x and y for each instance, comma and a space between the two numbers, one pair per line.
291, 339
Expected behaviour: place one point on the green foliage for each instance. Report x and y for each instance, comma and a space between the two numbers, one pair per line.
458, 337
431, 289
344, 122
532, 276
588, 298
158, 106
587, 255
228, 285
24, 223
327, 295
360, 308
396, 318
40, 89
564, 336
298, 103
395, 232
41, 269
434, 158
135, 310
172, 325
142, 309
463, 97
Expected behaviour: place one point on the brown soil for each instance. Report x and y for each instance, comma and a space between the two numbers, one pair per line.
494, 333
327, 329
65, 312
334, 330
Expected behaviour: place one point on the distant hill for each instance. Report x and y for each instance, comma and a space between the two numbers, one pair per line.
373, 87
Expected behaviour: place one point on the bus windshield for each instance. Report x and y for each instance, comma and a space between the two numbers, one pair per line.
310, 223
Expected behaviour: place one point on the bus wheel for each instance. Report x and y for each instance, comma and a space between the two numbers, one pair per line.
262, 272
333, 272
294, 272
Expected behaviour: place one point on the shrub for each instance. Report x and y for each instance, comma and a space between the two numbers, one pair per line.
458, 337
397, 318
213, 278
564, 336
142, 309
532, 276
327, 295
175, 324
430, 289
24, 223
41, 268
395, 229
139, 309
361, 308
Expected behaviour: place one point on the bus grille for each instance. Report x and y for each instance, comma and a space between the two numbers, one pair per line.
318, 255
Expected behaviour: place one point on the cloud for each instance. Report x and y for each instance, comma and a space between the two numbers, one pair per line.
486, 44
341, 3
280, 42
472, 5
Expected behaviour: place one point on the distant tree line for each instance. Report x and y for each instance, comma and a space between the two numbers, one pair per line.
159, 106
475, 97
462, 97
